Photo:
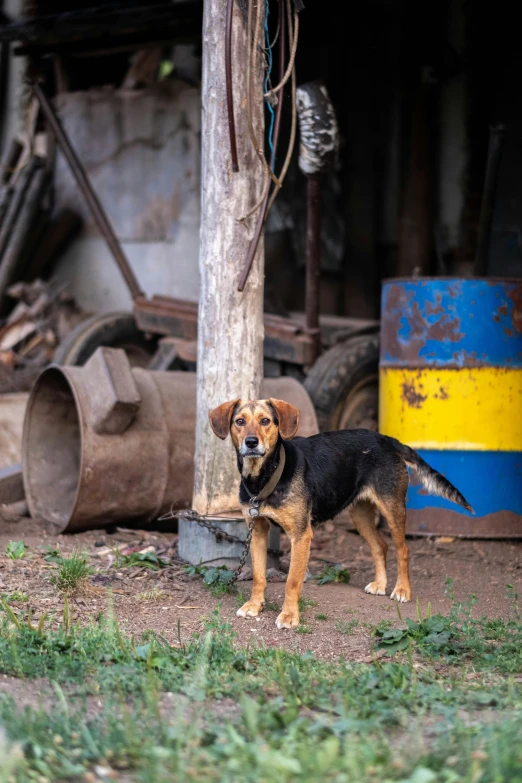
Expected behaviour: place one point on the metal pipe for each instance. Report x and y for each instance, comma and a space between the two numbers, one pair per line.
313, 261
98, 213
317, 155
496, 139
228, 79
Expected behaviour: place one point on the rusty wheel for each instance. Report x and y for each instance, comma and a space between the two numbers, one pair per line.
343, 385
114, 330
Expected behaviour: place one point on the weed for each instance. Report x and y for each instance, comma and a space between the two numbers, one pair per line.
16, 595
321, 616
333, 573
303, 629
148, 560
432, 632
346, 627
304, 603
52, 555
491, 644
513, 596
381, 627
218, 579
15, 550
151, 595
71, 573
271, 606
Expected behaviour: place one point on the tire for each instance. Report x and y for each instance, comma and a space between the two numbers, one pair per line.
114, 330
344, 385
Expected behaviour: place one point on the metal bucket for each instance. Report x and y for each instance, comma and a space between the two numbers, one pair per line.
106, 443
451, 387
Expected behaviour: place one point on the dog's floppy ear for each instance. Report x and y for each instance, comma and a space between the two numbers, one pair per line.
288, 416
220, 418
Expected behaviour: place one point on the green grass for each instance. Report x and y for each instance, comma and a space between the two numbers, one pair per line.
15, 550
321, 616
413, 718
71, 573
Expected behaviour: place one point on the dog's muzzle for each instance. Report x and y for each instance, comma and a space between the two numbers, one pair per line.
256, 451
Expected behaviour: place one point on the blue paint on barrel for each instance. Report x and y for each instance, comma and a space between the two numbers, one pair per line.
489, 480
446, 322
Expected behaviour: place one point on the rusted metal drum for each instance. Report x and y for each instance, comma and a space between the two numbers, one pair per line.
451, 387
106, 443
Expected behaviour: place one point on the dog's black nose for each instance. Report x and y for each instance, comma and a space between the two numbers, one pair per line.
251, 442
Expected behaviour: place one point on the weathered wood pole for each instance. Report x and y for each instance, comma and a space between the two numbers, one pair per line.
230, 327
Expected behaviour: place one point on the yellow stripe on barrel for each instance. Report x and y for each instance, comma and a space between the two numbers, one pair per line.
468, 409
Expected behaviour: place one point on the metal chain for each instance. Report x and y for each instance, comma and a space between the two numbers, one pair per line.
245, 551
222, 535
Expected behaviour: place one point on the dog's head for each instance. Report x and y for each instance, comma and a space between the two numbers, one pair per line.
255, 425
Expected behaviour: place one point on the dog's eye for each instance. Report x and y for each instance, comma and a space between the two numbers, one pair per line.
240, 422
265, 421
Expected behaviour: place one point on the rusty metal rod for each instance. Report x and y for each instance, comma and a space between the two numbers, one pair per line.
313, 260
277, 125
228, 80
496, 139
84, 183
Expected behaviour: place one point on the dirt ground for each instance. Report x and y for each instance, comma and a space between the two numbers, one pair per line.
171, 603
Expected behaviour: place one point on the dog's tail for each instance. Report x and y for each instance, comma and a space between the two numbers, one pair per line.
431, 479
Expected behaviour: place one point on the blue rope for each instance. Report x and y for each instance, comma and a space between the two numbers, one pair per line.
267, 77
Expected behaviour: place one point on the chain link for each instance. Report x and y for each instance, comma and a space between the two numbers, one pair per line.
245, 551
222, 535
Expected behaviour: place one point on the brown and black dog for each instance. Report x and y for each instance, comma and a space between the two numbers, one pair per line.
321, 475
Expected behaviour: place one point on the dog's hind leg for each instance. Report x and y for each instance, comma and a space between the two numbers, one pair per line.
299, 557
258, 552
394, 511
363, 516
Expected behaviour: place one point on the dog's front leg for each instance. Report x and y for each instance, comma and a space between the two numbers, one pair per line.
258, 552
299, 556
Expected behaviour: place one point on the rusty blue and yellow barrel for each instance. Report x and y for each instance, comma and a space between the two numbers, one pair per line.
451, 388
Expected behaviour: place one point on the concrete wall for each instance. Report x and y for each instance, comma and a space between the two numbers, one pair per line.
141, 150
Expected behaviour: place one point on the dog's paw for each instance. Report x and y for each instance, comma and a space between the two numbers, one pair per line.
375, 588
287, 620
401, 594
250, 609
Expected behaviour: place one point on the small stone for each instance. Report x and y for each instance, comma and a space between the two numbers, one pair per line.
273, 575
104, 772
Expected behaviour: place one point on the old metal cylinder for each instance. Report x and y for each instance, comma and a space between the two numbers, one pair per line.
105, 443
451, 387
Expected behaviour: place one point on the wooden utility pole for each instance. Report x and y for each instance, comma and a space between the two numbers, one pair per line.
230, 326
